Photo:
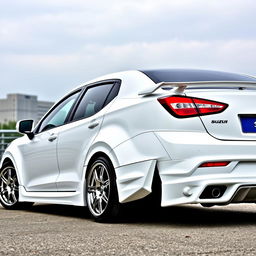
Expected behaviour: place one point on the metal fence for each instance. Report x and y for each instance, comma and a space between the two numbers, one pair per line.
6, 137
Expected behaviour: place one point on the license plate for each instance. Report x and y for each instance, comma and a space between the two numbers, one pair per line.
248, 124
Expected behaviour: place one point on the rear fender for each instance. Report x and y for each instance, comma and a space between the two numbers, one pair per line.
137, 158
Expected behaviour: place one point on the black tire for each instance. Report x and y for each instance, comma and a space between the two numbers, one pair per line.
9, 189
101, 190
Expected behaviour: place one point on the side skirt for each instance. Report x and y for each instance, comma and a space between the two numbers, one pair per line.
67, 198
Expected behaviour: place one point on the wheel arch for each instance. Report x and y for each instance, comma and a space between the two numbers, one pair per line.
6, 161
97, 155
101, 149
8, 158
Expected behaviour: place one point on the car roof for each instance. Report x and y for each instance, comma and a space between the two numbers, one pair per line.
194, 75
134, 81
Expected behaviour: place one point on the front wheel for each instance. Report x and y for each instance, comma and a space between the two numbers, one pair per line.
9, 189
101, 190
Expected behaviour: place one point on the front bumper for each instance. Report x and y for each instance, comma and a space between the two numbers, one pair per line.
183, 181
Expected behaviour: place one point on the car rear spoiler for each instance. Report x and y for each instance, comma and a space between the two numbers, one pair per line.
181, 86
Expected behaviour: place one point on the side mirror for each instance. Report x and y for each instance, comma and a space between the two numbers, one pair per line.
25, 127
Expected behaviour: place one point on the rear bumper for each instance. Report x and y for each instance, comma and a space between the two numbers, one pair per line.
190, 192
183, 181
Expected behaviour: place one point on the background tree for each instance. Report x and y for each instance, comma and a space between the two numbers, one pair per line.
11, 125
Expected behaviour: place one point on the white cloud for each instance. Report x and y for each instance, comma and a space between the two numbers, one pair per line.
50, 45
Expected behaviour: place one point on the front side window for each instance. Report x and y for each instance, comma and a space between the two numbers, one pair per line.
58, 116
92, 101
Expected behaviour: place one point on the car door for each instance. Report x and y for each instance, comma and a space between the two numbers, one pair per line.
76, 137
39, 154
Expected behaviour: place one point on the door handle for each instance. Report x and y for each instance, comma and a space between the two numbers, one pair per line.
52, 137
93, 124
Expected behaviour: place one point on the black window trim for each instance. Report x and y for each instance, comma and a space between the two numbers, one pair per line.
82, 89
117, 85
115, 82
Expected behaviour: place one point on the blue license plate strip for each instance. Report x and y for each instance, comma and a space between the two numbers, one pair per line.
248, 124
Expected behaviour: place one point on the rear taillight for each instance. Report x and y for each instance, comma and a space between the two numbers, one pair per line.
181, 106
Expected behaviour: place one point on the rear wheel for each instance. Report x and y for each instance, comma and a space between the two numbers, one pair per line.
9, 189
101, 190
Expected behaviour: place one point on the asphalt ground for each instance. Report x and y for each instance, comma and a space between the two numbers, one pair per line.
183, 230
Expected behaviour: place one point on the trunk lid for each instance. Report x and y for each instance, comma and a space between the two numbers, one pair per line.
238, 121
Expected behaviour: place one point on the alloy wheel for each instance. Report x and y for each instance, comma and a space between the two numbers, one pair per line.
9, 186
98, 188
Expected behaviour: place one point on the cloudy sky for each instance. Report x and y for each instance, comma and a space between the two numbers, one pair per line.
47, 47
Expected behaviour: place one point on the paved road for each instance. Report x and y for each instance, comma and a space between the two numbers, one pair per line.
185, 230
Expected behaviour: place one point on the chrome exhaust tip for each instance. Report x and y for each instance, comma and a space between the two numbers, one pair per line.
216, 192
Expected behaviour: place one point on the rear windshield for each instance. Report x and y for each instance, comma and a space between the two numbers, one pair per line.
190, 75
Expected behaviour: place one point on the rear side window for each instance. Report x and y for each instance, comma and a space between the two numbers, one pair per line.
93, 101
113, 93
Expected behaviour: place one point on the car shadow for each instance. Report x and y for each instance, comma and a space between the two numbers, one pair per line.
178, 215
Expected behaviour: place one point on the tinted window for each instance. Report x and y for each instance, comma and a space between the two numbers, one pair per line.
59, 114
113, 93
93, 101
190, 75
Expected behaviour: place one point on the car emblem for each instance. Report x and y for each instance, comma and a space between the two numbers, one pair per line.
221, 122
255, 124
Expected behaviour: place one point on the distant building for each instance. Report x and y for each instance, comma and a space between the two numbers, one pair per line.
20, 106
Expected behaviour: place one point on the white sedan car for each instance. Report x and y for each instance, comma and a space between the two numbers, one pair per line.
123, 136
